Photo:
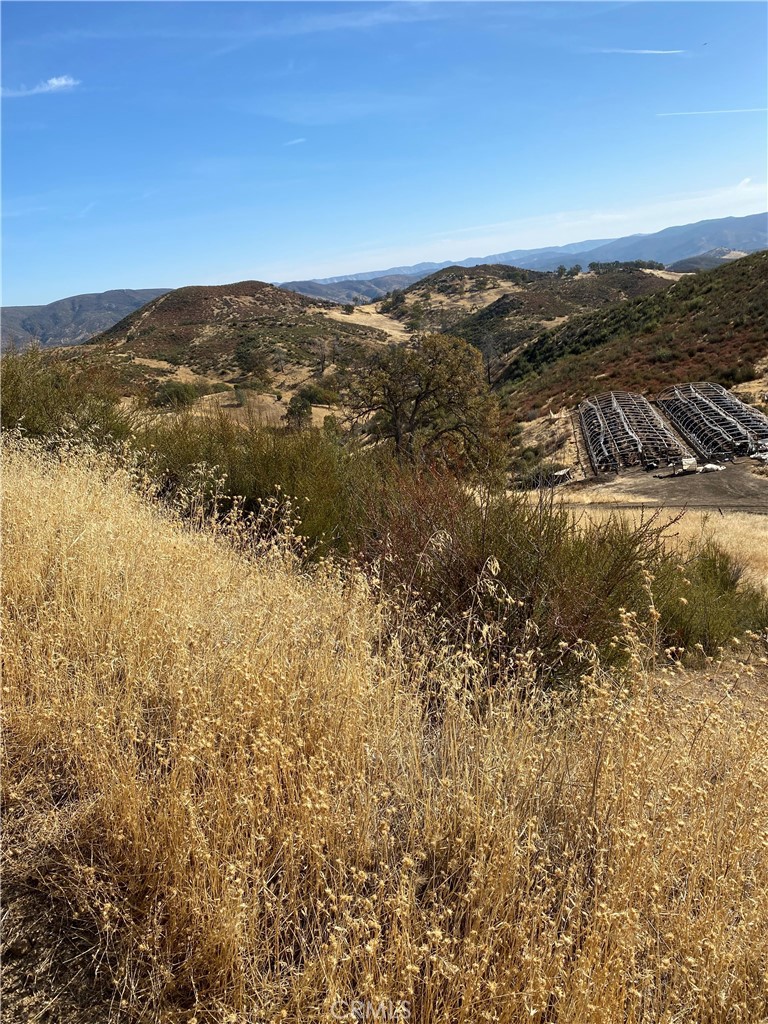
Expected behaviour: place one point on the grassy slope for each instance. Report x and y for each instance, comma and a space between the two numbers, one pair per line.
711, 326
239, 803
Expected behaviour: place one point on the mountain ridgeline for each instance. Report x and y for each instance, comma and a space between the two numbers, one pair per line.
726, 234
74, 320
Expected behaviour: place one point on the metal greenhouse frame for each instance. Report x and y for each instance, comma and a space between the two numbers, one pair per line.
714, 421
622, 429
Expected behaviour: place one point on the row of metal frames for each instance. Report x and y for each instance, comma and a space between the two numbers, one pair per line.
622, 429
714, 421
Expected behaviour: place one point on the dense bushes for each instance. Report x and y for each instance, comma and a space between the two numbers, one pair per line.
321, 478
177, 394
517, 569
174, 394
513, 566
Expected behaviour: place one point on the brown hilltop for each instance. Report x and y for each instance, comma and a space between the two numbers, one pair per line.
222, 328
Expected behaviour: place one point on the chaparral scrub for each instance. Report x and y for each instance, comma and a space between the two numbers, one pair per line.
232, 789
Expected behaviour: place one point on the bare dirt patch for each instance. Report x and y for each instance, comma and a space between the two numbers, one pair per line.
668, 275
264, 409
755, 390
369, 316
49, 969
180, 373
554, 436
736, 488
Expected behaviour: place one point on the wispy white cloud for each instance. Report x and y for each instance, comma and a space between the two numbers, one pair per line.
88, 208
59, 83
698, 113
294, 142
641, 52
355, 19
12, 213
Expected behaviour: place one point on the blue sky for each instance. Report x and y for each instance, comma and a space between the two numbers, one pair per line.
163, 144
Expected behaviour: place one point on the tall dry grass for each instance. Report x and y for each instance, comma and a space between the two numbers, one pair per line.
243, 799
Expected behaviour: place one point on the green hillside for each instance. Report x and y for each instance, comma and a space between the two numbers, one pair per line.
711, 326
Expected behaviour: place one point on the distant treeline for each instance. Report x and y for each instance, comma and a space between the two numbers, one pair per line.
606, 268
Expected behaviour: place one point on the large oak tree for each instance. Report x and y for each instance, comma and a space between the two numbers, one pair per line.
428, 399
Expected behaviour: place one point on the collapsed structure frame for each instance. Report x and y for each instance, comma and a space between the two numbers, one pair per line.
713, 421
622, 429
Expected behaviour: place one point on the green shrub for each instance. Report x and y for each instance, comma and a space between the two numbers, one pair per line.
706, 602
316, 394
322, 478
44, 394
739, 374
299, 412
513, 569
663, 355
173, 394
539, 474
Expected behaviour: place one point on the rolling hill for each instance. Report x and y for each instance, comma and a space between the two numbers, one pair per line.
352, 291
76, 319
499, 308
240, 333
708, 326
707, 260
73, 320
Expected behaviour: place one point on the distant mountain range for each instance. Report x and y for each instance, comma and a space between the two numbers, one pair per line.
355, 291
510, 258
75, 319
744, 234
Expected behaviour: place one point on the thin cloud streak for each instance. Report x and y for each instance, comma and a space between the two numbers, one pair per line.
642, 52
294, 142
59, 83
399, 12
700, 113
319, 110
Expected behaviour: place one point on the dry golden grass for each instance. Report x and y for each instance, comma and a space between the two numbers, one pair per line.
243, 798
742, 534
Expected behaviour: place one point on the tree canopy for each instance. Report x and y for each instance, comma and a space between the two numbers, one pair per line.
428, 400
